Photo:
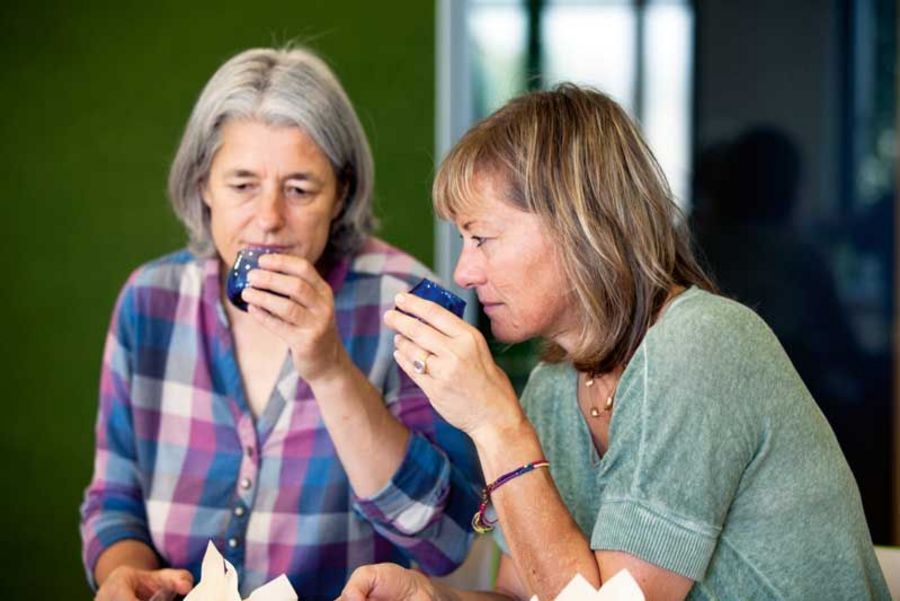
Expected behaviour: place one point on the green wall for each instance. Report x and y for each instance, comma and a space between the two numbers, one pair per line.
94, 97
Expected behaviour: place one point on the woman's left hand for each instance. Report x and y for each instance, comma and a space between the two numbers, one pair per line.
303, 316
450, 361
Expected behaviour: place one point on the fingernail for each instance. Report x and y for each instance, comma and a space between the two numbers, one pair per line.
399, 298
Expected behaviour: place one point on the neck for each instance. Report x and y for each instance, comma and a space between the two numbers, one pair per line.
567, 336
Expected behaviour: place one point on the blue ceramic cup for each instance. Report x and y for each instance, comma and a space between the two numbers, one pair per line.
247, 259
430, 291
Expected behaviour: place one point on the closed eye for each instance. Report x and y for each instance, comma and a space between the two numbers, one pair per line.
477, 241
297, 191
241, 186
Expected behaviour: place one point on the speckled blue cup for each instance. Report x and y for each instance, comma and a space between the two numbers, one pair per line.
247, 259
430, 291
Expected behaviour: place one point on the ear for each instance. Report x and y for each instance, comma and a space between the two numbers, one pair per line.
203, 191
340, 200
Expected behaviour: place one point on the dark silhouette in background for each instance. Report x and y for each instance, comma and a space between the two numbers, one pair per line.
745, 193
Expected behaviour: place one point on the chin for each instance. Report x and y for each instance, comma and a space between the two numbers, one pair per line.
507, 335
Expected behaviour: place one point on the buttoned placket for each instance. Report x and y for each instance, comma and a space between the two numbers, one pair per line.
246, 483
246, 487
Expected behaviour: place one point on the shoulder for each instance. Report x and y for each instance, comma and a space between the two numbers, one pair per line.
708, 366
166, 272
713, 356
696, 308
385, 269
160, 282
702, 325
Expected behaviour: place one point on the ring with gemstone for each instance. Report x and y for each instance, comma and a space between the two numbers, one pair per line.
421, 366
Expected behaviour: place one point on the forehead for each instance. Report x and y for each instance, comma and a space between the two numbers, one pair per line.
483, 200
252, 139
491, 213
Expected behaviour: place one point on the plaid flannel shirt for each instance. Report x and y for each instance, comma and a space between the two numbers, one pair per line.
181, 460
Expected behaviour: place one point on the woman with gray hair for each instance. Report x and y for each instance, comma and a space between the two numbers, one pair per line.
270, 419
665, 431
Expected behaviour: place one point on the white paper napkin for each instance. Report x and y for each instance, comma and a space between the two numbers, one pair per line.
219, 582
621, 587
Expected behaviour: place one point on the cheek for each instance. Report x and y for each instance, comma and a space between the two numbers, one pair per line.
229, 214
226, 227
311, 231
313, 224
541, 298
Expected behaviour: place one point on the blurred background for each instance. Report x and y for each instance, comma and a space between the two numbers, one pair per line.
775, 122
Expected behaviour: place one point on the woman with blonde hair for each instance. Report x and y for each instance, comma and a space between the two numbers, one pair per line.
665, 431
270, 419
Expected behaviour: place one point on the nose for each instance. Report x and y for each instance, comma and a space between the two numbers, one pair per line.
469, 272
270, 209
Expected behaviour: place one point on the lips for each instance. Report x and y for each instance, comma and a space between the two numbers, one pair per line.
488, 308
271, 248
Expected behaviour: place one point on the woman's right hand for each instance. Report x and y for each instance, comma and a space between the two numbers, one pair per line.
126, 583
387, 582
457, 371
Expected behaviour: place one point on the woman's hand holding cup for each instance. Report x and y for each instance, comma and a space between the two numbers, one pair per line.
289, 297
451, 362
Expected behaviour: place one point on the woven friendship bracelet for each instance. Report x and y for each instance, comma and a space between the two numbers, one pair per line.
480, 522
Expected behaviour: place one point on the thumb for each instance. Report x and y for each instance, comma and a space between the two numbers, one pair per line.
180, 581
351, 593
360, 584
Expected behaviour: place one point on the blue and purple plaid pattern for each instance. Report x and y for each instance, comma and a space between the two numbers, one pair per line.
180, 459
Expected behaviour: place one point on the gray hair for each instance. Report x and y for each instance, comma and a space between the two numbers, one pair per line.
290, 87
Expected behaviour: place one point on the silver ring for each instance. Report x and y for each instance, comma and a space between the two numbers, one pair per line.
421, 367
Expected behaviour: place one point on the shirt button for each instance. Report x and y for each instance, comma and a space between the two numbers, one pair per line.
249, 451
239, 510
232, 542
246, 483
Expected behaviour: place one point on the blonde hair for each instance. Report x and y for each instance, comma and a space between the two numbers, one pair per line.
573, 157
289, 87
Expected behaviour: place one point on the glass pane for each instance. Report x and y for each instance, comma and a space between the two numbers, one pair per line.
667, 96
498, 31
592, 44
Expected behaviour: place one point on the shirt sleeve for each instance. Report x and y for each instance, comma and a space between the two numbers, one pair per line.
426, 509
678, 448
113, 507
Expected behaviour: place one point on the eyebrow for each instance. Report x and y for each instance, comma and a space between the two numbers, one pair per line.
301, 175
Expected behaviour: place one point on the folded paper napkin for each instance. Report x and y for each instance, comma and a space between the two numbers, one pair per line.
621, 587
219, 582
